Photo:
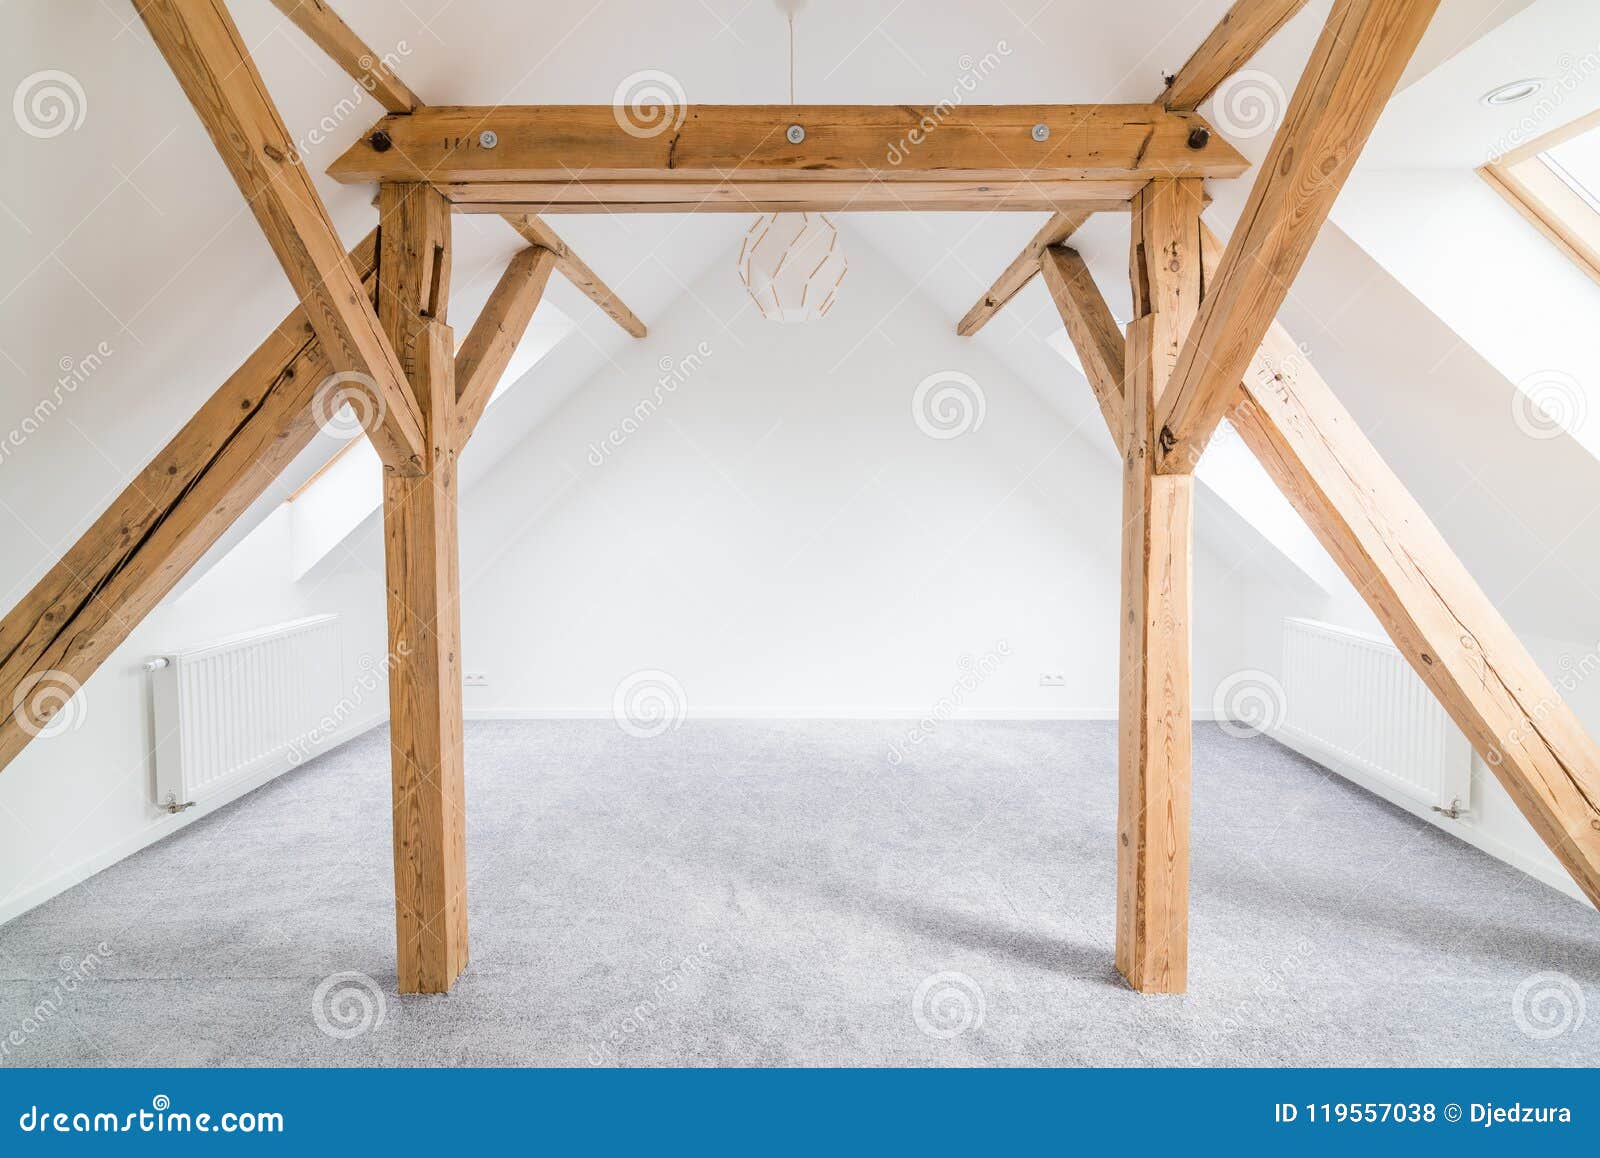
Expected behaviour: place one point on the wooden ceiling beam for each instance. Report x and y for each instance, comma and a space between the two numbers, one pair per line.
789, 195
331, 34
207, 55
1248, 25
736, 143
1094, 333
1022, 269
487, 351
336, 38
1238, 36
163, 522
575, 270
1353, 70
1443, 623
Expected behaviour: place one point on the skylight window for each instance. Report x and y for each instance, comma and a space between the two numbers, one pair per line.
1554, 182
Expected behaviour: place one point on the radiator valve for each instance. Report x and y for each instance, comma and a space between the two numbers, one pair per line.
1453, 812
171, 804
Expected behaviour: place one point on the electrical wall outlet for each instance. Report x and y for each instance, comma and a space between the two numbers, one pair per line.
1052, 679
476, 679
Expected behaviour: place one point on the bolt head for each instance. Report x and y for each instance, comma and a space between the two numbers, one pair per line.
1041, 132
796, 134
380, 142
1199, 138
488, 138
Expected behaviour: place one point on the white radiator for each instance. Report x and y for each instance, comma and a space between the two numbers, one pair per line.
1353, 704
243, 707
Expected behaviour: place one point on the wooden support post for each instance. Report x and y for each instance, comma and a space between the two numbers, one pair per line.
420, 536
1157, 545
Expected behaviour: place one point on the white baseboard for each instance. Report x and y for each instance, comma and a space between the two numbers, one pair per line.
1464, 827
164, 825
780, 713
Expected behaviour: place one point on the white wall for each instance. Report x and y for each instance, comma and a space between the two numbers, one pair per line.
780, 536
74, 802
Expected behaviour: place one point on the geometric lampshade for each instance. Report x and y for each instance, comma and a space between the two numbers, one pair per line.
792, 264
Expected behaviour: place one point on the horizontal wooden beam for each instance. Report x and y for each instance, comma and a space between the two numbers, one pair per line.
208, 56
163, 522
331, 34
1025, 195
576, 271
1354, 68
1240, 34
738, 143
1243, 30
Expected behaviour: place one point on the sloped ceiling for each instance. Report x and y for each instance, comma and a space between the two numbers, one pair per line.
128, 232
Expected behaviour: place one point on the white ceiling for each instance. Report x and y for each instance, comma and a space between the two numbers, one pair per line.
127, 230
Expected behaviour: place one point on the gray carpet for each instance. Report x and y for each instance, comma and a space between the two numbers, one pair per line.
738, 893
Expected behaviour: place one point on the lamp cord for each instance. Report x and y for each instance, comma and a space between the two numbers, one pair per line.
791, 58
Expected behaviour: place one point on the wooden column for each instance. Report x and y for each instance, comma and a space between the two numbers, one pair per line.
419, 519
1157, 545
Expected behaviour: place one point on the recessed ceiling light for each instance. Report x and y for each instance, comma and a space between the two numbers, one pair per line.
1510, 94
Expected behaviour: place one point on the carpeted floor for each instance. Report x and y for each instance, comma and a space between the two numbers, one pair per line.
741, 893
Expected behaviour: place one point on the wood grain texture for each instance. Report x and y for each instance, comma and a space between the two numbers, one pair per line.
163, 521
1436, 614
1154, 727
1022, 270
576, 271
1238, 36
493, 339
1094, 333
331, 34
788, 194
582, 143
1352, 72
207, 55
423, 581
